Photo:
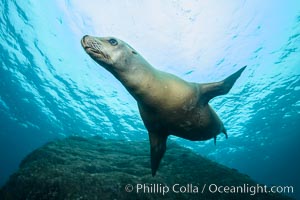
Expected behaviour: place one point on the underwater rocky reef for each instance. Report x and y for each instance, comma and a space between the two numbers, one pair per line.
95, 168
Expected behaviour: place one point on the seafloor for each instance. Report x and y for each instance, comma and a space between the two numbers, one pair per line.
94, 168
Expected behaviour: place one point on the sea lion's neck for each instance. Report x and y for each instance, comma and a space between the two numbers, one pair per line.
138, 78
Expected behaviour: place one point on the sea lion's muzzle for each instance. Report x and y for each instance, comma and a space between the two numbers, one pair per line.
96, 48
83, 41
92, 44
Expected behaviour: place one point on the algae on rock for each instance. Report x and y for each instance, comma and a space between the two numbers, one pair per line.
94, 168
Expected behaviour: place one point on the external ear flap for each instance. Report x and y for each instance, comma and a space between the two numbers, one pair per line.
133, 52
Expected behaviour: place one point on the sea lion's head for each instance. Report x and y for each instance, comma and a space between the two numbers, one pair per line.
112, 53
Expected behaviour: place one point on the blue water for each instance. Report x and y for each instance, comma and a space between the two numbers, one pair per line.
50, 88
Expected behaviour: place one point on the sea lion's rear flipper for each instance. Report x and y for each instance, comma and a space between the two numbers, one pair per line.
158, 143
225, 132
211, 90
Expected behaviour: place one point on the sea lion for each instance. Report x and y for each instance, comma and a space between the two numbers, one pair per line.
168, 105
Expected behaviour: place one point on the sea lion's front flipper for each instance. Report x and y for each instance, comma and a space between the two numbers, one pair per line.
158, 143
211, 90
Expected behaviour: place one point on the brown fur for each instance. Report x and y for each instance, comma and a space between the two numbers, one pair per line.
168, 105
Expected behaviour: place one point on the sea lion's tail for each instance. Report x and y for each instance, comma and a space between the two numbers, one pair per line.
211, 90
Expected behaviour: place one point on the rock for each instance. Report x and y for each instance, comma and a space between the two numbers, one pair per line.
95, 168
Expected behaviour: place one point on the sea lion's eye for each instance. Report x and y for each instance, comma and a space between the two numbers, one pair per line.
113, 42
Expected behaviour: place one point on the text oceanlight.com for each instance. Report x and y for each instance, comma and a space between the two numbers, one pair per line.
211, 188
